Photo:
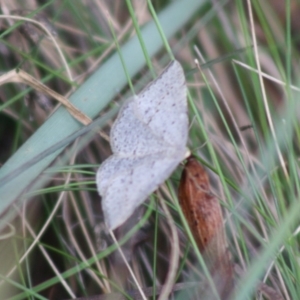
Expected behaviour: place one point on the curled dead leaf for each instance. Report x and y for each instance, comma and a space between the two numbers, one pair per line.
203, 213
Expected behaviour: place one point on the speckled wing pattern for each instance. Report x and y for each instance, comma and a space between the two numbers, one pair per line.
148, 141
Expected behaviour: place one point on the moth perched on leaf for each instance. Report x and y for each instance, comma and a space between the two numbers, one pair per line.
203, 213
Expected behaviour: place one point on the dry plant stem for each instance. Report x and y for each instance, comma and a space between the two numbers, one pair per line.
264, 91
204, 216
37, 239
281, 160
45, 226
225, 102
148, 265
250, 161
174, 259
104, 285
263, 228
39, 24
127, 265
245, 148
10, 234
267, 76
23, 77
51, 263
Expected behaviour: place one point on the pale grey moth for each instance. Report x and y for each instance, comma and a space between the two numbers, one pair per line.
148, 141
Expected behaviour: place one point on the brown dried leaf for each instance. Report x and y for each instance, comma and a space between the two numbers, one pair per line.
204, 216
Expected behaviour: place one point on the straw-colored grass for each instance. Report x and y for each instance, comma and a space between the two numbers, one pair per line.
54, 244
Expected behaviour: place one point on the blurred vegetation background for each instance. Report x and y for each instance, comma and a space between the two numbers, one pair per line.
244, 126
